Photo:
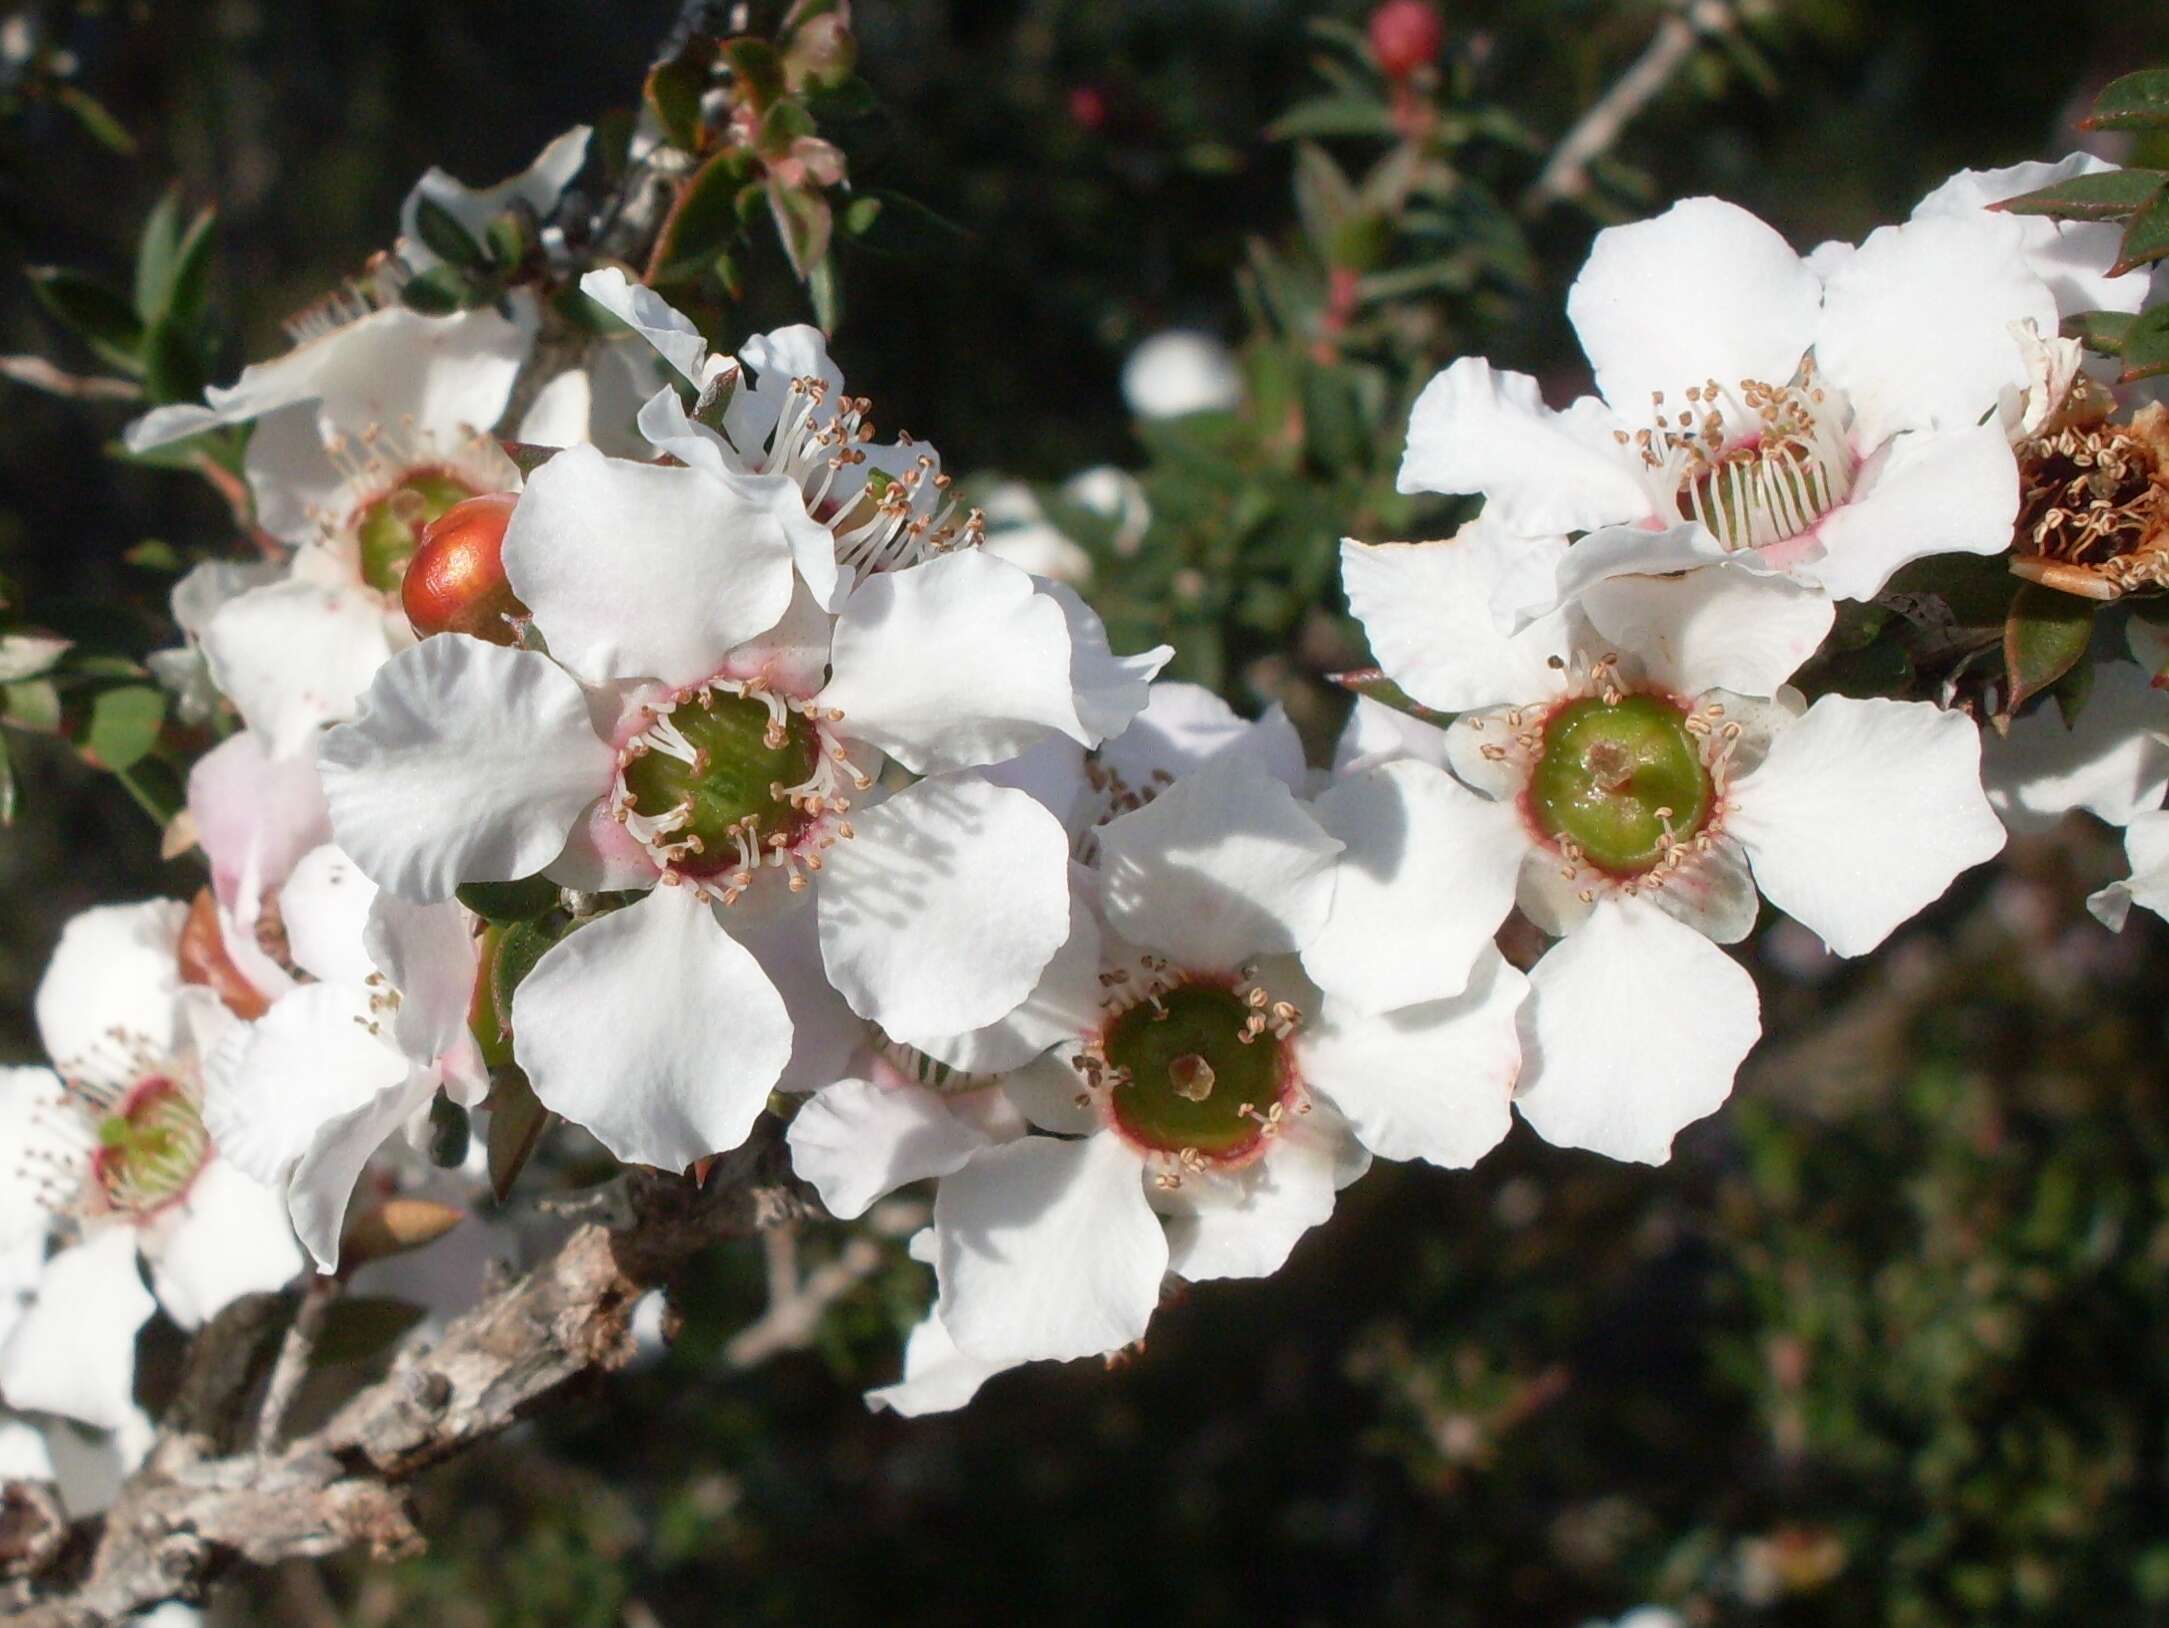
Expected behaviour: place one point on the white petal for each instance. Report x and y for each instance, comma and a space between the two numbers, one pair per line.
1917, 325
1110, 689
427, 952
1927, 492
469, 763
538, 186
111, 990
941, 913
74, 1352
1221, 867
1427, 609
638, 571
323, 1182
1425, 879
1064, 1004
1862, 815
255, 816
295, 655
649, 315
1046, 1093
857, 1141
1047, 1248
2146, 845
776, 360
825, 1032
1714, 628
1247, 1226
938, 1378
228, 1238
1377, 733
1621, 551
952, 663
655, 1029
1476, 430
1703, 291
307, 1061
36, 1122
1180, 371
1713, 892
325, 905
2114, 762
2072, 257
1633, 1030
1434, 1081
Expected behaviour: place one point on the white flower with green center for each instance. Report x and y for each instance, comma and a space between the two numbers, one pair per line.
698, 727
1832, 417
1191, 1110
1659, 776
107, 1154
776, 414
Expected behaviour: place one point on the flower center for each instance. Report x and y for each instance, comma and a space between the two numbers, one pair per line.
2093, 513
1766, 486
730, 776
389, 527
1619, 781
1196, 1071
149, 1148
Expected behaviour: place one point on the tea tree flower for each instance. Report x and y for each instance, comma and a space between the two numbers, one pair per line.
686, 731
108, 1153
1827, 427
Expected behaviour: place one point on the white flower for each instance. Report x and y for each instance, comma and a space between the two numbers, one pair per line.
363, 435
1020, 530
680, 733
1659, 775
2113, 762
539, 187
1821, 418
775, 421
346, 1058
1178, 372
110, 1153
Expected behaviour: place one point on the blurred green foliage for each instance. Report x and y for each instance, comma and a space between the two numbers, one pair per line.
1882, 1344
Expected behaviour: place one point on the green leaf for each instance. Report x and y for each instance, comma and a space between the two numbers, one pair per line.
124, 724
2043, 639
2107, 195
2146, 345
2146, 236
703, 221
2138, 101
1374, 685
889, 223
826, 291
784, 123
91, 114
848, 99
758, 68
33, 704
2100, 331
438, 292
803, 222
173, 367
673, 94
157, 252
506, 902
1333, 116
448, 240
358, 1327
156, 554
189, 290
510, 238
102, 319
517, 1121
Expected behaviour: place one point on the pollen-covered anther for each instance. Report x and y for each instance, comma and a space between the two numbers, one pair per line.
1753, 465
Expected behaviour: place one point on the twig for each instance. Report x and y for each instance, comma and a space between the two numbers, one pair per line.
1566, 173
292, 1366
39, 374
202, 1500
796, 1305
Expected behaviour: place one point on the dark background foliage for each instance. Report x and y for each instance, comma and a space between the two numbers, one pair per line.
1884, 1343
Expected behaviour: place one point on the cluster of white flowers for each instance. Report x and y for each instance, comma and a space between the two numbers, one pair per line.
827, 799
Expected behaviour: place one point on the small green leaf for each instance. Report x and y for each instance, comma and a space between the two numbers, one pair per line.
889, 223
2146, 345
438, 292
757, 66
2138, 101
32, 704
506, 902
517, 1121
157, 252
173, 367
99, 317
703, 221
803, 223
849, 98
156, 554
784, 123
2100, 331
448, 240
2146, 237
673, 94
124, 724
2043, 639
91, 114
1333, 116
510, 238
2105, 195
361, 1326
189, 289
826, 291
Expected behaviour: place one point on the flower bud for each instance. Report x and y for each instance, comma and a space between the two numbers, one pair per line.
456, 581
1405, 35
